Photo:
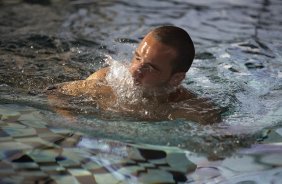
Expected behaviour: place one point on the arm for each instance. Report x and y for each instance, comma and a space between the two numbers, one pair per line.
80, 87
56, 93
98, 75
94, 87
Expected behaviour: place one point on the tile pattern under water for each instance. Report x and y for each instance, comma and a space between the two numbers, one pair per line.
33, 152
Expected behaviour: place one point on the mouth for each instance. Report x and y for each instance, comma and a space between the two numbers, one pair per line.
136, 82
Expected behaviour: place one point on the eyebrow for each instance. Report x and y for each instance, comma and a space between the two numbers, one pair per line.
153, 66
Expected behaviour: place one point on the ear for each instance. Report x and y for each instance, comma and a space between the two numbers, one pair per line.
176, 78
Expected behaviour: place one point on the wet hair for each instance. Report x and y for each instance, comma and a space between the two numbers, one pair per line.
180, 40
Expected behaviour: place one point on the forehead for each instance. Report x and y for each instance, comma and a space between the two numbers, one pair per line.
155, 50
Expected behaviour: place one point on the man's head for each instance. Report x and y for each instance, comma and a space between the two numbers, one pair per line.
163, 57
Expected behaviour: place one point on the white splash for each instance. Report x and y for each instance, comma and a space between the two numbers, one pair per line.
122, 83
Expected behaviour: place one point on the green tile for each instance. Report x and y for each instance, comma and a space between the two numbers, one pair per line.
61, 131
52, 168
68, 163
159, 161
37, 143
279, 131
65, 179
43, 155
179, 162
33, 119
108, 179
13, 146
6, 167
33, 174
235, 164
130, 169
6, 114
79, 172
273, 159
91, 165
6, 139
20, 132
75, 154
27, 165
13, 125
156, 176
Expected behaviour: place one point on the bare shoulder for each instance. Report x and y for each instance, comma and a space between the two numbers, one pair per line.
193, 107
181, 94
99, 75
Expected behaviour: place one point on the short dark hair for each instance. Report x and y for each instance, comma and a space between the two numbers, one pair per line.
179, 39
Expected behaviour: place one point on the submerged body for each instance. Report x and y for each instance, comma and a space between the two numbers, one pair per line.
180, 103
157, 69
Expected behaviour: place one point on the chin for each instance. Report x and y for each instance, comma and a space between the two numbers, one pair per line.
146, 86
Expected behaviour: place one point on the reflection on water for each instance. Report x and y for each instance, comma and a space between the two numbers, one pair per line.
238, 65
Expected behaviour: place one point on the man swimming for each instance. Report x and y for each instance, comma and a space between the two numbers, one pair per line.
157, 69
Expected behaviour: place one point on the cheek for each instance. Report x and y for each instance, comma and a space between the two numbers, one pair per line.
151, 78
133, 66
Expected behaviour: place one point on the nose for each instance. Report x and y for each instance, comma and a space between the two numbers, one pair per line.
136, 72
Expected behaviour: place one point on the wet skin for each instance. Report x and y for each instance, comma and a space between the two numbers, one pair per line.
151, 65
150, 68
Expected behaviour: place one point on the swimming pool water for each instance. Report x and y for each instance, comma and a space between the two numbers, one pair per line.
238, 65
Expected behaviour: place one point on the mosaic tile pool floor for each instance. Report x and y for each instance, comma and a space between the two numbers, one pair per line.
33, 152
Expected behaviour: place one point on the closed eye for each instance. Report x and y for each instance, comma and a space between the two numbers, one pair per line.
137, 56
150, 66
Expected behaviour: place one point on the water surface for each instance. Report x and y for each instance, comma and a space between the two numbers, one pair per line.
238, 65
